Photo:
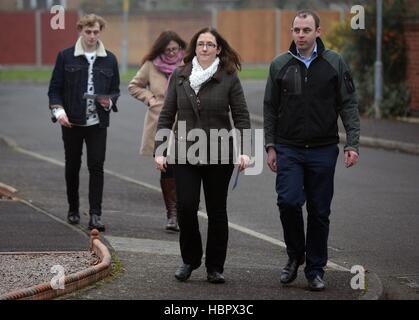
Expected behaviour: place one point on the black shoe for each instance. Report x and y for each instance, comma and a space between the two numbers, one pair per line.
215, 277
289, 273
95, 222
73, 217
316, 284
183, 272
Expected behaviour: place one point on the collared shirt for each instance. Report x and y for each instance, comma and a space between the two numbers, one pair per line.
308, 60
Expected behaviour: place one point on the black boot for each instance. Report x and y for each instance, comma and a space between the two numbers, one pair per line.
168, 188
73, 217
95, 222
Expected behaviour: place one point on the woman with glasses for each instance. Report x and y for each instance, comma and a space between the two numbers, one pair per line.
149, 86
200, 96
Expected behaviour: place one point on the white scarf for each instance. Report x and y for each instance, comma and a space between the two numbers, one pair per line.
199, 75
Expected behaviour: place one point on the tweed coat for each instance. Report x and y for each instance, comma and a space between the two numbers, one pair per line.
219, 104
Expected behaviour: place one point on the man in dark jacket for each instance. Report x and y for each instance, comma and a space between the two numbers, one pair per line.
307, 89
86, 68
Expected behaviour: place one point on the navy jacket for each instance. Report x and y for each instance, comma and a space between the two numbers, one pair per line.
69, 83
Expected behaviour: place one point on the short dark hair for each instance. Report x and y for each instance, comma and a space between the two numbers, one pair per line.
161, 43
304, 14
229, 58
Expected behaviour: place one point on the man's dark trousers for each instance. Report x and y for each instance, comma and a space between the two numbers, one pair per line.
95, 138
306, 174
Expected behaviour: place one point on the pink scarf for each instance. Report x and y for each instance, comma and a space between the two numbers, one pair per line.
168, 65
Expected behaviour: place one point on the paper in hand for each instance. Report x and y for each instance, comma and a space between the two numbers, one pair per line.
99, 96
236, 178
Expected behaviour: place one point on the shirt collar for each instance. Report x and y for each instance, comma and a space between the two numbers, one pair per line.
313, 54
79, 51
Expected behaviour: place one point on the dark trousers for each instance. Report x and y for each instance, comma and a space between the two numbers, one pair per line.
306, 175
215, 180
169, 172
95, 139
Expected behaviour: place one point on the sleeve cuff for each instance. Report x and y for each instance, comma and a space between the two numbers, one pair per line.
110, 105
348, 148
58, 112
269, 145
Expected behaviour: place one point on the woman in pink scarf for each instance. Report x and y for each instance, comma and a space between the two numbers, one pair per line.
149, 86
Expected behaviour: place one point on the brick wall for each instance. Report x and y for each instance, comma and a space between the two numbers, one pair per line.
18, 41
17, 38
412, 40
255, 34
55, 40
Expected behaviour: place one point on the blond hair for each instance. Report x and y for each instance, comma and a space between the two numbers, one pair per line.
90, 20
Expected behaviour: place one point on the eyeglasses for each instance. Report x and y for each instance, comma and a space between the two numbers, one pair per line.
169, 50
208, 45
89, 32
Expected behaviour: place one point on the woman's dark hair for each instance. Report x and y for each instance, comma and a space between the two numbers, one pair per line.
229, 58
161, 43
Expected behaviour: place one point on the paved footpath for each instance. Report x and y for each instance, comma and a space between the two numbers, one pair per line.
145, 256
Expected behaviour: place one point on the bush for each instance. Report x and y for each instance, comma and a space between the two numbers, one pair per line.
396, 100
358, 47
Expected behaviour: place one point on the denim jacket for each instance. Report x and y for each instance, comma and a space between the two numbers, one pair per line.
69, 82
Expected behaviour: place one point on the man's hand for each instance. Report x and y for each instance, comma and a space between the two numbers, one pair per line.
104, 102
160, 163
271, 159
63, 120
351, 158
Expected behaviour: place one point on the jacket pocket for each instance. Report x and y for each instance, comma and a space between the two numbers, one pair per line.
105, 79
72, 74
349, 83
291, 82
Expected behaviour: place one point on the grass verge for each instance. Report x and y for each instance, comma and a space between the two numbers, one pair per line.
44, 75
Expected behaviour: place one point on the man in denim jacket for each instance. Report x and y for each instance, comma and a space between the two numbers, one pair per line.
85, 68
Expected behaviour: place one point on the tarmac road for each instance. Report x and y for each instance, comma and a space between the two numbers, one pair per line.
374, 218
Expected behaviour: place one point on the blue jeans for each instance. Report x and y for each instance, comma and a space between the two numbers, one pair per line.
306, 175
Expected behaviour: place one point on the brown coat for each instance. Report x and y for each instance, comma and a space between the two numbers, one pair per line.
149, 82
221, 95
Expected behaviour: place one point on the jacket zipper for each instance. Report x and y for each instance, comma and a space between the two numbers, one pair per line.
304, 89
198, 100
